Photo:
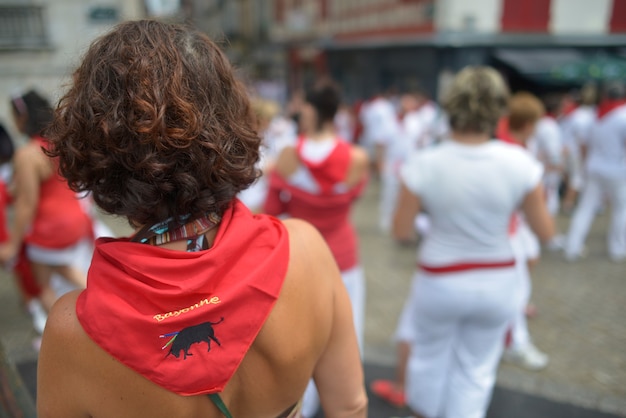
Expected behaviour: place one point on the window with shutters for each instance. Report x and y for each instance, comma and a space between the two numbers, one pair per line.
22, 27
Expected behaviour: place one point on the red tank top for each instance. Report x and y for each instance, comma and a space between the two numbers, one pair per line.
328, 211
59, 220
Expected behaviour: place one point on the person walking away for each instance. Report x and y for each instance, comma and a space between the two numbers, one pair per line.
48, 217
605, 177
547, 145
465, 291
524, 111
576, 128
319, 180
386, 144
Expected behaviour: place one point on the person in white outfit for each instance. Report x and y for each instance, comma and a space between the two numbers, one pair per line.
385, 142
277, 133
524, 111
547, 146
605, 177
465, 291
576, 127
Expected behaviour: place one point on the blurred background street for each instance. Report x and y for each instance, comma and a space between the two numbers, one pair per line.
579, 324
281, 47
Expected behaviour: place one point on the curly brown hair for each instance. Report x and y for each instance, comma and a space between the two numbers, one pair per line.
476, 100
156, 125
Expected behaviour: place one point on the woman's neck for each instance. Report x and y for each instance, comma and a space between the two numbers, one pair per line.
327, 131
470, 138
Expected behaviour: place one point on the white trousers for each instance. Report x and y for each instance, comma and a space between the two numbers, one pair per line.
551, 183
354, 280
520, 337
459, 321
389, 191
596, 188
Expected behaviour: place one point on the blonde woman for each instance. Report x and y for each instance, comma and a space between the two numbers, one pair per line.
465, 291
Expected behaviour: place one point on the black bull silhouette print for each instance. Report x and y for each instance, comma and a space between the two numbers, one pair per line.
192, 335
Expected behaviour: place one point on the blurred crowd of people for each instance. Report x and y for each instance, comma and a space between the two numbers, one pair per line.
574, 145
477, 178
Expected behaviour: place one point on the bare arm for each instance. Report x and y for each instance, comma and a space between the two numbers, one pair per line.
58, 395
359, 167
537, 215
407, 208
338, 372
29, 166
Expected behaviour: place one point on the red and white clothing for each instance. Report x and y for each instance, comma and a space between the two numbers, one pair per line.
60, 222
605, 177
316, 192
465, 292
280, 133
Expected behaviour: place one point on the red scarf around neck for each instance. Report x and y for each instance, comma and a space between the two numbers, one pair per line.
185, 320
609, 105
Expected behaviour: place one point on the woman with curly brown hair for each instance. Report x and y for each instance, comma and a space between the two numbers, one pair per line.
465, 290
205, 298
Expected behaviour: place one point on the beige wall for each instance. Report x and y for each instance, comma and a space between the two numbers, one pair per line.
69, 32
580, 16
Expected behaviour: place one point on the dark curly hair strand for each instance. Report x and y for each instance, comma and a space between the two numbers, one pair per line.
155, 125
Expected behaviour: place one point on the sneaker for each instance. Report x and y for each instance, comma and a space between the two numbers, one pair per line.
575, 257
388, 391
38, 315
528, 357
556, 244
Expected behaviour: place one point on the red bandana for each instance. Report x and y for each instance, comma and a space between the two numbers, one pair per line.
330, 171
185, 320
609, 105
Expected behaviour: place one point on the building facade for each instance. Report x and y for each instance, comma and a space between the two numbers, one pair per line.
41, 42
372, 45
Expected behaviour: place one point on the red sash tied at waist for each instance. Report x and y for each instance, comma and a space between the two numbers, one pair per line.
458, 267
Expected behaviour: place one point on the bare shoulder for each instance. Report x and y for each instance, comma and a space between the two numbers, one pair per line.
359, 165
306, 243
359, 156
287, 161
57, 370
62, 321
28, 153
30, 157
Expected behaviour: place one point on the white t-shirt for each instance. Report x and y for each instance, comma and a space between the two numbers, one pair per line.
470, 193
577, 126
380, 122
547, 143
418, 126
607, 145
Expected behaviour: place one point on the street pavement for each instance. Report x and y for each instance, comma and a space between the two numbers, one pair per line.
580, 323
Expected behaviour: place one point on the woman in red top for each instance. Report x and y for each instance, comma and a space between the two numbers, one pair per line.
48, 216
318, 180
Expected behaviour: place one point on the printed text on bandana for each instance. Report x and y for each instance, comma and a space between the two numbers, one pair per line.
214, 300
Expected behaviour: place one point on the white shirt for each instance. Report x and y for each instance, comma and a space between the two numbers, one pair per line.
380, 122
547, 143
606, 153
470, 193
579, 126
